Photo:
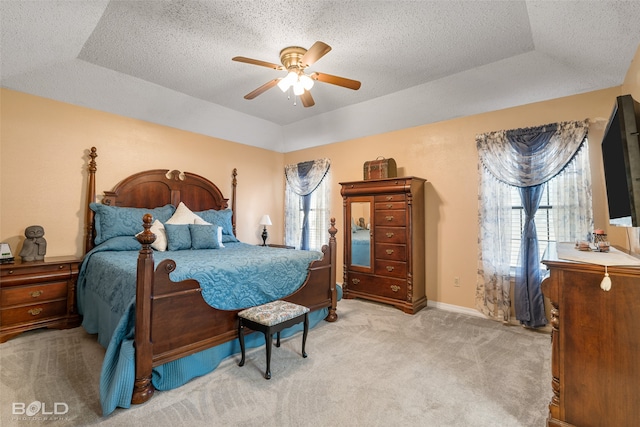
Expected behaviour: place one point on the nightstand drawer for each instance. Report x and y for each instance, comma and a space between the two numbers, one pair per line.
27, 275
33, 294
33, 313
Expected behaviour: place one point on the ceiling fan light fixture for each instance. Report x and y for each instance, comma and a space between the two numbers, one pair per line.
306, 81
288, 81
298, 88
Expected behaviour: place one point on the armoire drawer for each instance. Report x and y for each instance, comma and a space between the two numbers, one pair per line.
392, 252
390, 205
389, 268
391, 218
390, 235
385, 198
382, 286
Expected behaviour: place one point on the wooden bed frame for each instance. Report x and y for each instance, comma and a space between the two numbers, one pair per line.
165, 310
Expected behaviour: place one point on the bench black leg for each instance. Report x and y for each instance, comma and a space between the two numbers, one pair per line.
241, 338
268, 338
304, 334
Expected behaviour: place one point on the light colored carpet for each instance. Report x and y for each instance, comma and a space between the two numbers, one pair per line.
376, 366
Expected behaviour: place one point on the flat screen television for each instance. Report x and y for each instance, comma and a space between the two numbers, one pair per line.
621, 157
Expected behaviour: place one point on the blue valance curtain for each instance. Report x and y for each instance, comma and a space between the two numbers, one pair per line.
302, 179
525, 158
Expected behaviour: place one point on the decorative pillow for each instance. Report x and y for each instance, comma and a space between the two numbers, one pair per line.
113, 221
222, 218
184, 215
178, 236
220, 237
160, 243
204, 236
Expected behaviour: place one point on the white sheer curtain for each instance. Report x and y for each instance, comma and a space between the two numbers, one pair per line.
307, 198
573, 209
527, 158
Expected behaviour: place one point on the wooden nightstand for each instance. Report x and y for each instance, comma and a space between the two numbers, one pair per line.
38, 294
274, 245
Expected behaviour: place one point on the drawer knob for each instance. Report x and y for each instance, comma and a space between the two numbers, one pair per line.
389, 217
35, 311
61, 267
36, 294
389, 251
395, 288
355, 281
389, 206
389, 235
389, 268
389, 198
10, 271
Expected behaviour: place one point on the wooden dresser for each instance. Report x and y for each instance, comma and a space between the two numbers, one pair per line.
595, 344
384, 261
38, 294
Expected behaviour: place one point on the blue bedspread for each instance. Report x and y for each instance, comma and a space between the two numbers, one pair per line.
244, 275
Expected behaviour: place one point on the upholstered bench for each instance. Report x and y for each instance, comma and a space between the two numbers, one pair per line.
272, 318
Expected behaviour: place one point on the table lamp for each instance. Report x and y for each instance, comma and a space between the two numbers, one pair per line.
264, 222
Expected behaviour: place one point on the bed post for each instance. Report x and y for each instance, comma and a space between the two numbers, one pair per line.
91, 197
143, 388
234, 184
332, 316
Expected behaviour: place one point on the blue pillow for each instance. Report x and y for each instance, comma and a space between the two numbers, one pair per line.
221, 218
178, 236
114, 221
203, 236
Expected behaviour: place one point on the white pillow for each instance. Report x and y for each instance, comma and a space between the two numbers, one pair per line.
184, 215
220, 237
161, 236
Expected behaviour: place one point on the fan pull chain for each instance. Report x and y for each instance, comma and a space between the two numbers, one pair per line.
605, 285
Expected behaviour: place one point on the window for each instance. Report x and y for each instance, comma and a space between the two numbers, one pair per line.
317, 219
545, 221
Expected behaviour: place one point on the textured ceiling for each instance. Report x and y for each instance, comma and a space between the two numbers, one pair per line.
419, 62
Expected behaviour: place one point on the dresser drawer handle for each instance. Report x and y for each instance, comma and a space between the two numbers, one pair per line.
389, 251
389, 268
10, 271
389, 206
36, 294
389, 217
355, 281
35, 311
389, 235
389, 198
60, 267
395, 288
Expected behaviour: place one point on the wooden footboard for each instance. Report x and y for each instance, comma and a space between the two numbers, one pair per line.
166, 311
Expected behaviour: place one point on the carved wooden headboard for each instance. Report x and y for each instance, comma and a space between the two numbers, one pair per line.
155, 188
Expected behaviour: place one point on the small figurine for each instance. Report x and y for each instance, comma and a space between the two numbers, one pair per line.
34, 247
361, 223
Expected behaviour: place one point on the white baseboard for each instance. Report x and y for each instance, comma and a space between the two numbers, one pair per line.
455, 308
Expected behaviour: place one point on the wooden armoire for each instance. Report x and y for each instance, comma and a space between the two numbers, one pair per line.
384, 256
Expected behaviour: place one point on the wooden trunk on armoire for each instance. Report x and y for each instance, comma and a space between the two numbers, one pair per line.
384, 242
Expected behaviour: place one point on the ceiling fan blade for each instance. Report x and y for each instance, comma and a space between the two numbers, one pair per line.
307, 99
315, 52
268, 85
257, 62
335, 80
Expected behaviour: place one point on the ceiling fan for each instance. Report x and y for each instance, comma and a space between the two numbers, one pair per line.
295, 60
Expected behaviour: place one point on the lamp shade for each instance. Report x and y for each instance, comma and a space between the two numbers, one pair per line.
265, 220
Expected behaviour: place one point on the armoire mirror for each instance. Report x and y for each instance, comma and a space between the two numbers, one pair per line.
360, 234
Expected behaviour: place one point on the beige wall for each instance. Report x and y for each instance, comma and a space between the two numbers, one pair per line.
445, 154
43, 175
43, 172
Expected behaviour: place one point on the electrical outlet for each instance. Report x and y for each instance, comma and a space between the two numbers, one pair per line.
456, 281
